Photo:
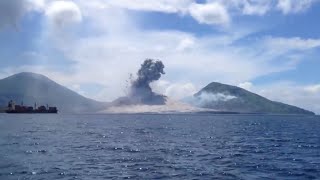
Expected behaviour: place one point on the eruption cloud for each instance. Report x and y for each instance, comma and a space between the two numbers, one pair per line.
140, 91
150, 71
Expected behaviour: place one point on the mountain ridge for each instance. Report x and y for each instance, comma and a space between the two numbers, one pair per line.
30, 88
232, 98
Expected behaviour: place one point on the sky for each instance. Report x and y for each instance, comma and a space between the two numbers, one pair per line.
269, 47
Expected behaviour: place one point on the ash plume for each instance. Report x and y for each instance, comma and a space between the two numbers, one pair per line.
140, 91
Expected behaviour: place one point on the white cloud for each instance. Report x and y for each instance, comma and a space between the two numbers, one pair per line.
259, 7
294, 6
293, 49
215, 12
169, 6
63, 13
186, 44
209, 97
12, 11
247, 7
262, 7
205, 98
294, 43
246, 85
211, 13
63, 21
176, 91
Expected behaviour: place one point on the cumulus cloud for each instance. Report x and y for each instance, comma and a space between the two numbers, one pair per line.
186, 44
294, 6
259, 7
214, 12
60, 13
247, 7
246, 85
176, 91
63, 13
63, 20
262, 7
211, 13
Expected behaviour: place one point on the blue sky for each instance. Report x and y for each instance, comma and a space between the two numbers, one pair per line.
270, 47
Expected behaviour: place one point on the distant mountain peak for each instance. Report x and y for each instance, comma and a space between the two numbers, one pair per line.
29, 75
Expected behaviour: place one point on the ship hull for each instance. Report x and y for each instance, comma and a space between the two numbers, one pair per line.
31, 112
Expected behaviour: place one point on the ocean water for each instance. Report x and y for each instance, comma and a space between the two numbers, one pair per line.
159, 147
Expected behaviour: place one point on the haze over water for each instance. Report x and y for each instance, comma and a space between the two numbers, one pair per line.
159, 147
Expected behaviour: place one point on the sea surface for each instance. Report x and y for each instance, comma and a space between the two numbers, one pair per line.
159, 147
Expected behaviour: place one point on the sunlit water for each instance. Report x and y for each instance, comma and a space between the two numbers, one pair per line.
159, 147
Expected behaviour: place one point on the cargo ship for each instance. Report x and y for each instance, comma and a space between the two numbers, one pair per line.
16, 109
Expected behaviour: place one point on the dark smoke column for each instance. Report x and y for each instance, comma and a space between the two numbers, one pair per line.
140, 90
